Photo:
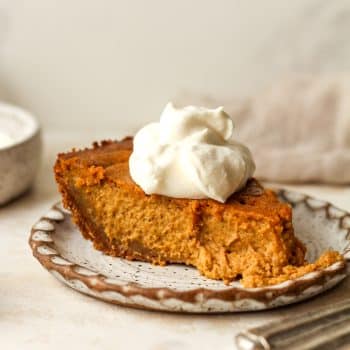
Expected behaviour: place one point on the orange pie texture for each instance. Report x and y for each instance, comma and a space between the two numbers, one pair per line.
250, 237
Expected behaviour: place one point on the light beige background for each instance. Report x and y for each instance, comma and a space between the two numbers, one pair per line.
93, 69
112, 65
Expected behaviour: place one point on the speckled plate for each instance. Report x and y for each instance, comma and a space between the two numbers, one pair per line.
60, 248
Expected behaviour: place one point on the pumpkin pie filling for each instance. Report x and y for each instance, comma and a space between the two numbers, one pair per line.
249, 237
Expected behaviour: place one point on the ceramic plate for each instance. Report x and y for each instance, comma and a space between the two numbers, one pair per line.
60, 248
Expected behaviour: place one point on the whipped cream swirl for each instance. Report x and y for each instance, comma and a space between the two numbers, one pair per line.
190, 153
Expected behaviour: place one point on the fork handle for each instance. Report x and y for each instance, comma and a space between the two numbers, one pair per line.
325, 328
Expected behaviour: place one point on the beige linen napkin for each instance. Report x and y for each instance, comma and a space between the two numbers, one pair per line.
298, 130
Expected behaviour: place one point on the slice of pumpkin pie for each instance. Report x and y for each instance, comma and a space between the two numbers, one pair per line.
247, 236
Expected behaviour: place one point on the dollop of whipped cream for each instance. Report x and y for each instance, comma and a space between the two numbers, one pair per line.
190, 153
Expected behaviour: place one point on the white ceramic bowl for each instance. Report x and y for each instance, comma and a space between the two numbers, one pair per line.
19, 161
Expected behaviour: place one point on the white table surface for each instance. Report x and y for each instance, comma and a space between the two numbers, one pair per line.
37, 312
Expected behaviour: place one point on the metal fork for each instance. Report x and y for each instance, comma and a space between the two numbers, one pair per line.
324, 329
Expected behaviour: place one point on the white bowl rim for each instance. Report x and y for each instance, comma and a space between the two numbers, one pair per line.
27, 117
